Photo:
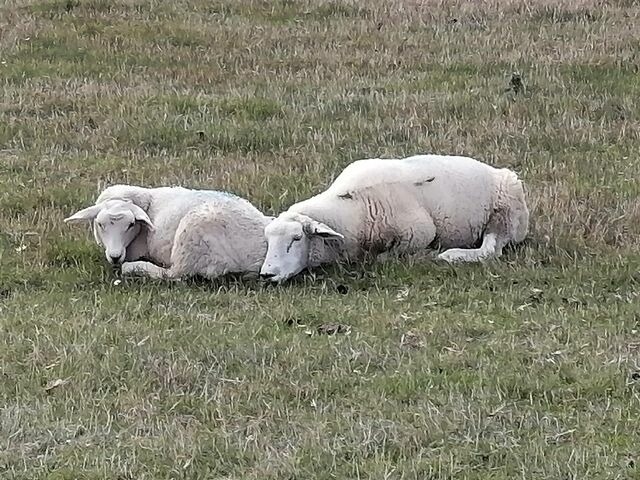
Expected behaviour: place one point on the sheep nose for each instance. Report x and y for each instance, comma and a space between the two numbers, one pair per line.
114, 260
267, 276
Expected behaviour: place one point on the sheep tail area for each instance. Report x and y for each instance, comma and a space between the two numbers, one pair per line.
218, 238
510, 217
507, 223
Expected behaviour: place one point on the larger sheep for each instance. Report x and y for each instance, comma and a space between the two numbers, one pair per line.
182, 232
402, 205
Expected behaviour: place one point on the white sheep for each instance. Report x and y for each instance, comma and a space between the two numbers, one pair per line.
401, 205
183, 232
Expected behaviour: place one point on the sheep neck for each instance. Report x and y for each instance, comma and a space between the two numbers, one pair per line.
337, 215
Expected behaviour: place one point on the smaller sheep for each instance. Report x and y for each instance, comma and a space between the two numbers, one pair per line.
407, 206
181, 232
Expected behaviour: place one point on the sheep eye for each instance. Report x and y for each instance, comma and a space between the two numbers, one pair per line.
297, 238
131, 226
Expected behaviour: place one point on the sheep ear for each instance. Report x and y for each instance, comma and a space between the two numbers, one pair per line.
141, 216
84, 215
317, 229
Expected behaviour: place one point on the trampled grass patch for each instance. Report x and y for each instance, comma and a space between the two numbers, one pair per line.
526, 367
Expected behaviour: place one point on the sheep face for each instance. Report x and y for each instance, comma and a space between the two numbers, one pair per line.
115, 230
288, 243
116, 223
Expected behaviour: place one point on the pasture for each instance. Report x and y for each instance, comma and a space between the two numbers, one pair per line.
526, 367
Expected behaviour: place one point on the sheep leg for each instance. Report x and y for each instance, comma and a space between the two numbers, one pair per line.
491, 248
499, 231
144, 269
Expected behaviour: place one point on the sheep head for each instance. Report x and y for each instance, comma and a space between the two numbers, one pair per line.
289, 240
116, 223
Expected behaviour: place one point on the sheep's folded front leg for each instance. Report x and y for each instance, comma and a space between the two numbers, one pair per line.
144, 269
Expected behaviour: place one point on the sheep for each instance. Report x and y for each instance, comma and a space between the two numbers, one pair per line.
182, 232
403, 206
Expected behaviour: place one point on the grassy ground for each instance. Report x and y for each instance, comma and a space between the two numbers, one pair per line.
523, 368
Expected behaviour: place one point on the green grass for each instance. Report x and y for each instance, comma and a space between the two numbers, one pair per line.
526, 367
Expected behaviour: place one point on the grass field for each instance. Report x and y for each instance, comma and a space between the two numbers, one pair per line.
527, 367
